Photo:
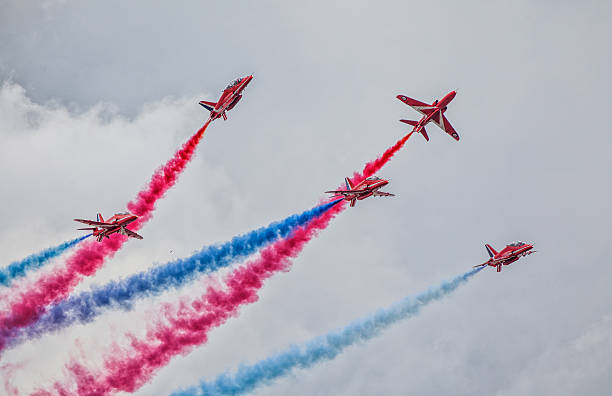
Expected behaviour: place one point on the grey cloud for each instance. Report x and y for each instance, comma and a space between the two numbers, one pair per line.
533, 164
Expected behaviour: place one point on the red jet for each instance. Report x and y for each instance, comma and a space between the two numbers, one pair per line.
116, 224
230, 96
433, 112
508, 255
365, 189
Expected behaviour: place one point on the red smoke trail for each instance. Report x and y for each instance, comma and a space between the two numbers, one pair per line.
28, 306
8, 373
187, 326
374, 166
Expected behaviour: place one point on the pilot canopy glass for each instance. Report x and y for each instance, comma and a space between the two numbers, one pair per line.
233, 83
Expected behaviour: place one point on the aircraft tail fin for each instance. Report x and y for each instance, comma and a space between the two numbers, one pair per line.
492, 252
100, 218
421, 130
207, 105
349, 184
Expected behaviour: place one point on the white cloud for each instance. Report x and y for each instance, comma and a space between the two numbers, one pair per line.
578, 367
533, 164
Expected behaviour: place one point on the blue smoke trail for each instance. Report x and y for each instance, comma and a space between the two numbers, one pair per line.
18, 269
85, 306
249, 377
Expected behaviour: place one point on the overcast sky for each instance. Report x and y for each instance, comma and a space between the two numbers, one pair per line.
96, 95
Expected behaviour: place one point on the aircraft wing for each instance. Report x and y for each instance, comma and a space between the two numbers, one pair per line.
383, 194
132, 234
92, 222
346, 192
445, 125
419, 106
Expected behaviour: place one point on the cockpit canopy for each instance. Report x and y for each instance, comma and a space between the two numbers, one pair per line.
372, 178
519, 243
234, 83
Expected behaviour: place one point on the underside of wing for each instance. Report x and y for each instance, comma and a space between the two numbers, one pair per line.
92, 222
445, 125
419, 106
132, 234
383, 194
346, 192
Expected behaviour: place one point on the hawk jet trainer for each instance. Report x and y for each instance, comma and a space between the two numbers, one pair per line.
230, 96
431, 112
507, 255
116, 224
367, 188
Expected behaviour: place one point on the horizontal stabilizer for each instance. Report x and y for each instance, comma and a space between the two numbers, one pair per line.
210, 106
410, 122
415, 124
424, 133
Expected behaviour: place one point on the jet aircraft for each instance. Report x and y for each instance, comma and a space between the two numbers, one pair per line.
431, 112
230, 96
507, 255
363, 190
116, 224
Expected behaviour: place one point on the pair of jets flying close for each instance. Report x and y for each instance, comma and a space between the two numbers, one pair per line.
119, 222
369, 187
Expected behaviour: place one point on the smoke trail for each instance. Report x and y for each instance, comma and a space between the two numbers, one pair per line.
85, 306
186, 326
249, 377
18, 269
8, 373
29, 305
374, 166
